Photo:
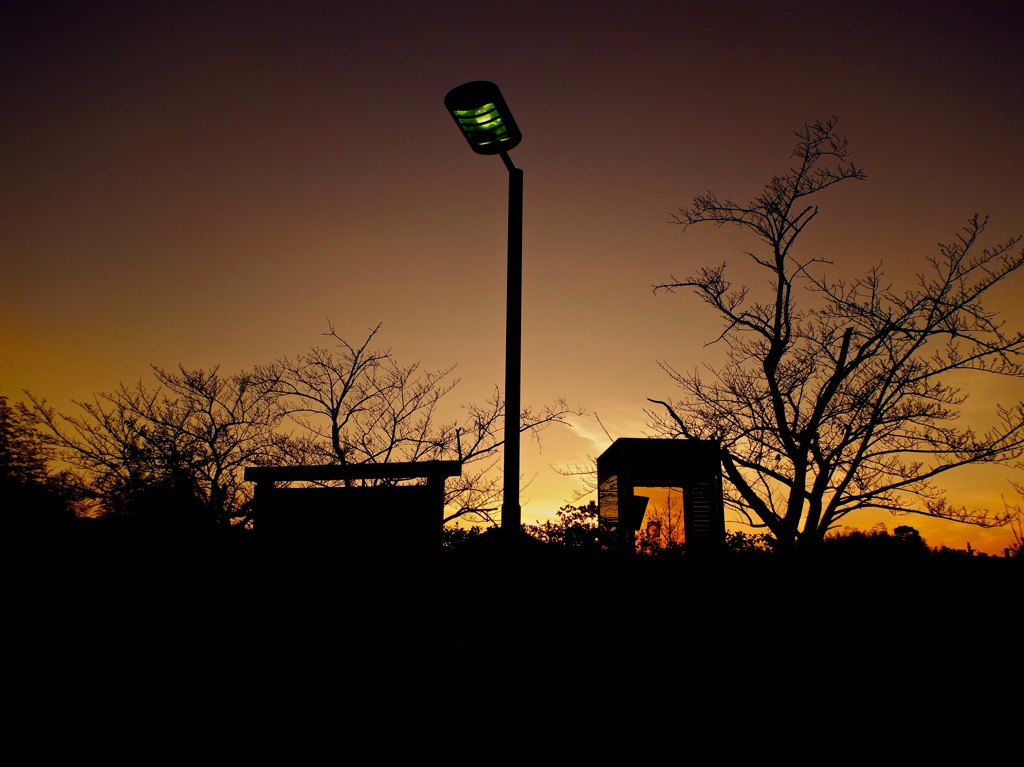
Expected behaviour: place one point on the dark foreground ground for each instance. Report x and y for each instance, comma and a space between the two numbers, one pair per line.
140, 649
242, 593
313, 643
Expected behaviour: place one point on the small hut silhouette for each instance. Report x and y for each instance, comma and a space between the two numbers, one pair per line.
692, 465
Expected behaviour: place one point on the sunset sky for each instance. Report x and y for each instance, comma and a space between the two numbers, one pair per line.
207, 183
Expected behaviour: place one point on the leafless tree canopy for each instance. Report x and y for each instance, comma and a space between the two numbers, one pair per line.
844, 395
192, 433
194, 430
355, 404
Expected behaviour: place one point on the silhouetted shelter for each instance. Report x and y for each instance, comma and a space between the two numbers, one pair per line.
692, 465
403, 515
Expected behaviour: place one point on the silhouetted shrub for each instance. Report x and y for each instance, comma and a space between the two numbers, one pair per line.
748, 544
577, 528
905, 544
454, 537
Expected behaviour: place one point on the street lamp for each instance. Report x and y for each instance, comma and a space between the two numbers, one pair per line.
486, 122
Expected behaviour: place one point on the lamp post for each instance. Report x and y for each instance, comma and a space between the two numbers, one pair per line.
486, 122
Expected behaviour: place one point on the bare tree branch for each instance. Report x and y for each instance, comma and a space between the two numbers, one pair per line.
843, 401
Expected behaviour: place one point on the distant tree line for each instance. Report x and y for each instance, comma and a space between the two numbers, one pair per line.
156, 484
577, 528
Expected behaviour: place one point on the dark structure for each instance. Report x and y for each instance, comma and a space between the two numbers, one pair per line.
692, 465
408, 516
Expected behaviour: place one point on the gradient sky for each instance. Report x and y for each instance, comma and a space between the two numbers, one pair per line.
206, 183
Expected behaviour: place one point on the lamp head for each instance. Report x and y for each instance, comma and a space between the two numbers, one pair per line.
484, 118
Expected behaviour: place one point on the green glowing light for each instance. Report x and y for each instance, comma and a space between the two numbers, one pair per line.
480, 115
482, 125
483, 117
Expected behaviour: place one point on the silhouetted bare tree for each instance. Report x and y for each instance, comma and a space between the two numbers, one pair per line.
846, 401
356, 404
182, 444
24, 453
663, 525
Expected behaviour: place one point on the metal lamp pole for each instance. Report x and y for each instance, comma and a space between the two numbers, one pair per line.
511, 511
486, 122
